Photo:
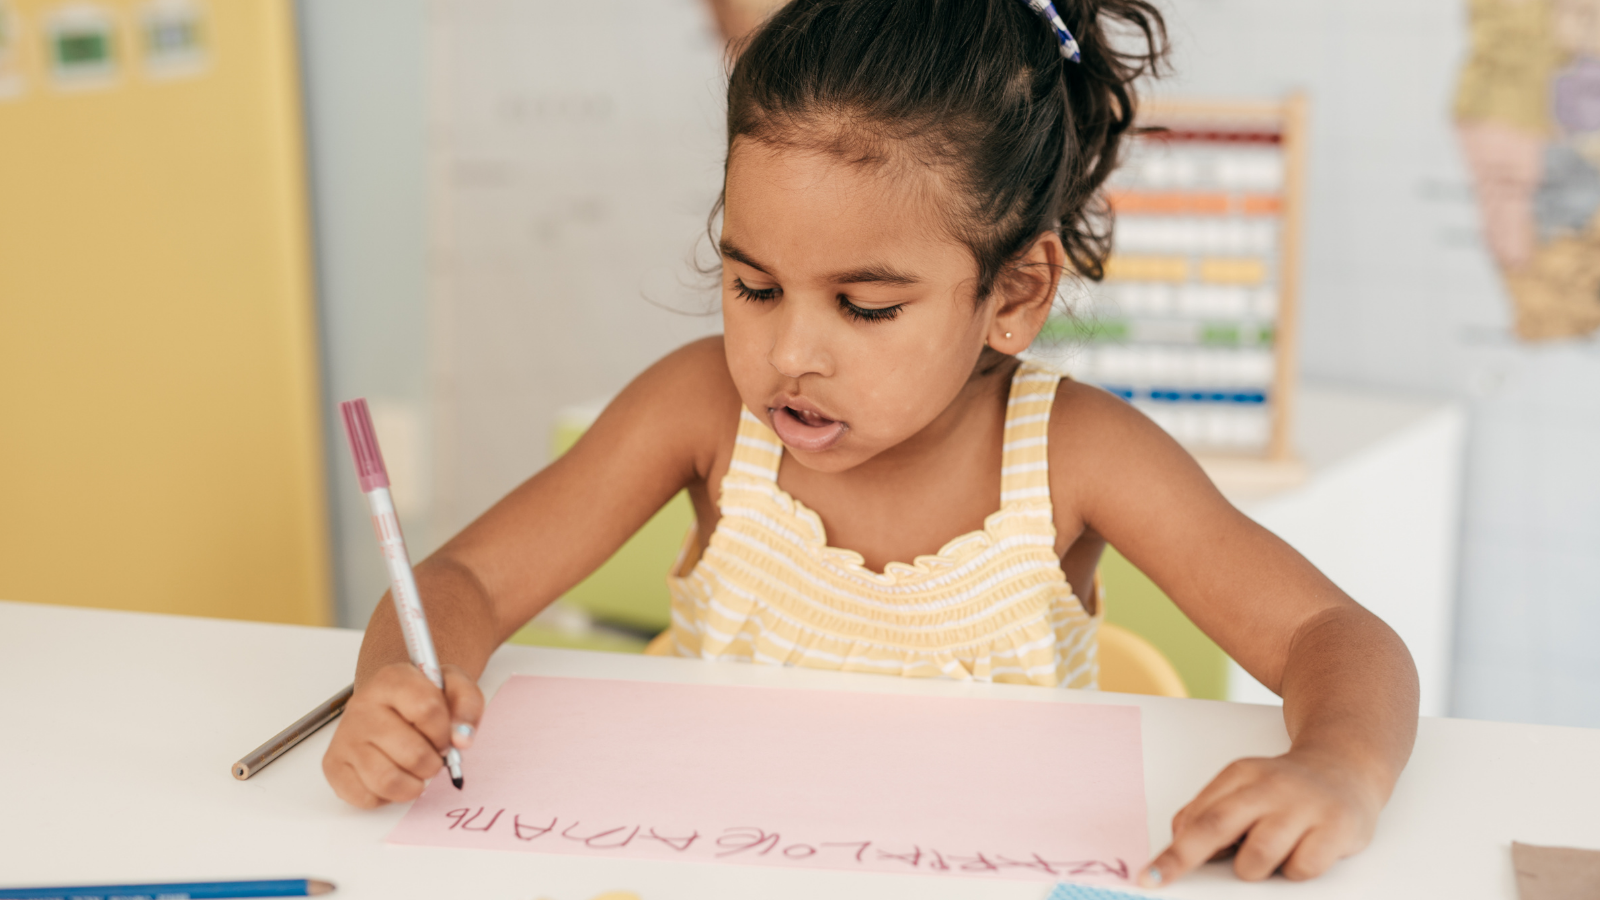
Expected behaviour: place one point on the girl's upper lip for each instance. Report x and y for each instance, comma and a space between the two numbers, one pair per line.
800, 404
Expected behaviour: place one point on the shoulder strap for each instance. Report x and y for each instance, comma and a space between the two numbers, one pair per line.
757, 450
1025, 456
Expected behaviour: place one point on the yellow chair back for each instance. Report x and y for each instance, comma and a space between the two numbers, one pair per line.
1129, 664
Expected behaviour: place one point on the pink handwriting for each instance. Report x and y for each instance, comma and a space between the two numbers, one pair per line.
746, 842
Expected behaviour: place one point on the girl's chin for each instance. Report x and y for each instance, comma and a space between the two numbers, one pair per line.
797, 435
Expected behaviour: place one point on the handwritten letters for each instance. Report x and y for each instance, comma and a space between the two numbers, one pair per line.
936, 786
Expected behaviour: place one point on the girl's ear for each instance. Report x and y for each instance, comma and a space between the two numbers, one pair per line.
1025, 293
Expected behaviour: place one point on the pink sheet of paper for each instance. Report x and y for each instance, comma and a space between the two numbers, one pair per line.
788, 777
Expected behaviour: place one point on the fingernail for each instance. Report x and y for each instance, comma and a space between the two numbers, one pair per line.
464, 735
1152, 877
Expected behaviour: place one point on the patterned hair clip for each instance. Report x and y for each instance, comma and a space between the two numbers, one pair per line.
1069, 45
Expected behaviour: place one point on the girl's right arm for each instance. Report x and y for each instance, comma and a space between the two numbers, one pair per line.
663, 433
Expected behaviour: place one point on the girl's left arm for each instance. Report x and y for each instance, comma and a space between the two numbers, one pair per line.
1348, 684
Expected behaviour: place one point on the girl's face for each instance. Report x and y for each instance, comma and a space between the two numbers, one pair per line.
848, 313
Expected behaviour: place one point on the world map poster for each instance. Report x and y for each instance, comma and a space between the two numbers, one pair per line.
1527, 113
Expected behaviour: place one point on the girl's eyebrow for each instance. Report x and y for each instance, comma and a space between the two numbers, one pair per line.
737, 255
873, 273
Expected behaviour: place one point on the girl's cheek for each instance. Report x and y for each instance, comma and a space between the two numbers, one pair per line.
741, 341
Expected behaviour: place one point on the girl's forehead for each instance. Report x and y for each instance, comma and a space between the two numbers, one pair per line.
782, 167
809, 207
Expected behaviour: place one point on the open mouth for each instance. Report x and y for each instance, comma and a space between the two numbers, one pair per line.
805, 429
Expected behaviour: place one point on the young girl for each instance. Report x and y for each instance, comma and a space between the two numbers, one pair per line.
907, 182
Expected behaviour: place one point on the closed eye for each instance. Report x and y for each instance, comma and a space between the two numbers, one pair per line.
868, 314
760, 295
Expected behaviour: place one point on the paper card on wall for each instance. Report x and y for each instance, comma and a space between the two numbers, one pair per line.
783, 777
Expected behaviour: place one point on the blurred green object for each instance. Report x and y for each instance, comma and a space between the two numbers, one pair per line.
1063, 329
630, 589
1134, 602
536, 634
627, 596
1076, 330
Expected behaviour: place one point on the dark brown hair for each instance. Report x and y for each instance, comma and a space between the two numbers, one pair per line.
977, 88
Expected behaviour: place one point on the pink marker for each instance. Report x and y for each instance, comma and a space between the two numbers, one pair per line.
402, 584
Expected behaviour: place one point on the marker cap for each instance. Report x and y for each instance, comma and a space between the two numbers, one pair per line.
364, 444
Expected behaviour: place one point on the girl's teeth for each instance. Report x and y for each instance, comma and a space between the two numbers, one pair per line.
808, 418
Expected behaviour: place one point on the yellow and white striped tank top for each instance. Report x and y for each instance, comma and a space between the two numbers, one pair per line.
991, 605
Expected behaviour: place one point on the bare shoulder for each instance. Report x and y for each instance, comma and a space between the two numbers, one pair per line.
1102, 450
1084, 415
700, 366
686, 402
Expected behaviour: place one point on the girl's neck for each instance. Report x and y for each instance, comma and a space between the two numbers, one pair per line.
913, 498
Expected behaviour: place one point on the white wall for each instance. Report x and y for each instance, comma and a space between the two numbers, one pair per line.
506, 195
1528, 646
579, 152
1399, 292
365, 85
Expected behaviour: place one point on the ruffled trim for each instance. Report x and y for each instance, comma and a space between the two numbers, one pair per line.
1034, 651
1050, 643
955, 552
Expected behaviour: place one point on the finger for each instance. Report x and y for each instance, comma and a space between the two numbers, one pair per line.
381, 775
341, 774
346, 783
421, 704
1315, 854
1205, 833
466, 706
403, 744
411, 753
353, 791
1226, 852
383, 726
1232, 777
360, 773
1268, 844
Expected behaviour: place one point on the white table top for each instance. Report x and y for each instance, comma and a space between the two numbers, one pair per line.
119, 729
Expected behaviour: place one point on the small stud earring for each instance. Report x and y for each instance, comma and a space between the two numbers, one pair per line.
1008, 335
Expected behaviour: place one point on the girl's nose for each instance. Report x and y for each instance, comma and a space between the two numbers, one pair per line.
800, 346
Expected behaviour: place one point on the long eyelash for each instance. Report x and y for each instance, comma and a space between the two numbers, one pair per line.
863, 314
859, 313
750, 293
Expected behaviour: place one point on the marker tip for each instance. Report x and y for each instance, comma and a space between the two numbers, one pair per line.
457, 782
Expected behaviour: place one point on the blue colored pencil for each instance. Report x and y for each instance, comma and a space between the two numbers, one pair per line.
196, 890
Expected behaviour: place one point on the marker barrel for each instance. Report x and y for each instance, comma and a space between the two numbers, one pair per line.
403, 585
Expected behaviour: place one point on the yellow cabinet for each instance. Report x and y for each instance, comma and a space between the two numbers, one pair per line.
160, 442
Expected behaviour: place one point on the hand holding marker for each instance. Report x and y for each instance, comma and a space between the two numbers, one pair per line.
402, 584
